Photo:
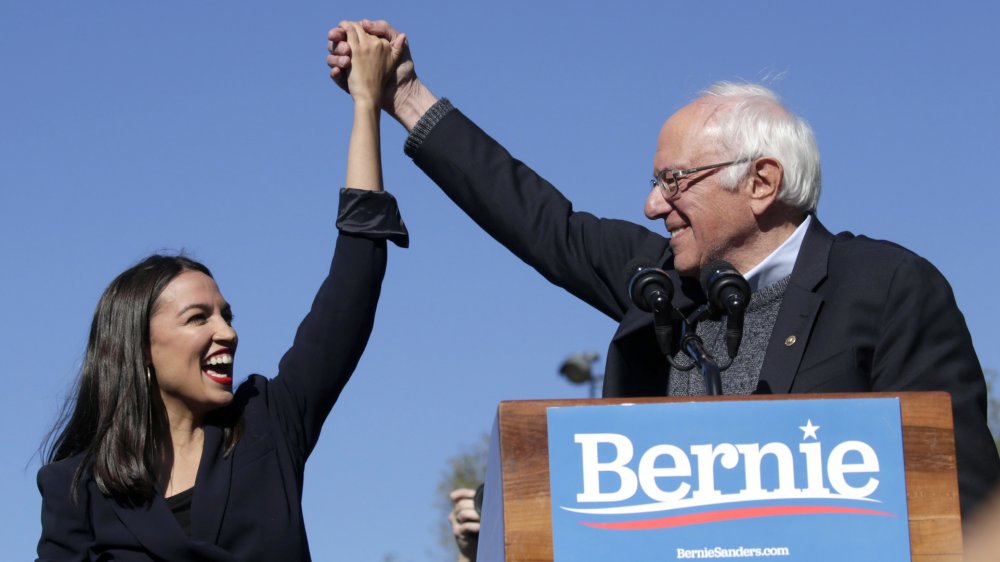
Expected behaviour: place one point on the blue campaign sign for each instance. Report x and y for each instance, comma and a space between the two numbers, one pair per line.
808, 480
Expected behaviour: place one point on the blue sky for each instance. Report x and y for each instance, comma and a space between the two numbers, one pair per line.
128, 128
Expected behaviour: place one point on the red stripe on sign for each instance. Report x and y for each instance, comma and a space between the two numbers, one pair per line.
730, 514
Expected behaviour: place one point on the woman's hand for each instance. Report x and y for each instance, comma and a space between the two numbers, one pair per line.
373, 61
404, 96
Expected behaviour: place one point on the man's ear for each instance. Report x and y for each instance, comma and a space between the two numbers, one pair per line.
763, 183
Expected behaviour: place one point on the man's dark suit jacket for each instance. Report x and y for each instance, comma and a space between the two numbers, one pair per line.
247, 506
866, 315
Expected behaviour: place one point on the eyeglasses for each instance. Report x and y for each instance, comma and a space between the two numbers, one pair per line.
669, 181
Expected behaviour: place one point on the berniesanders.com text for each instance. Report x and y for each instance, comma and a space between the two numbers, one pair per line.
740, 552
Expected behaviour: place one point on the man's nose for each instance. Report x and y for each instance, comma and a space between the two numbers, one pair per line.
656, 206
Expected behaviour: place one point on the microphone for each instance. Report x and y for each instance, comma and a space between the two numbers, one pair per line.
650, 289
728, 293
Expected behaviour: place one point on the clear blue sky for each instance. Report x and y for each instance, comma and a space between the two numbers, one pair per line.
132, 127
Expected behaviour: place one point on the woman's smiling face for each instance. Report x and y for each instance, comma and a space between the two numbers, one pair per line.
191, 346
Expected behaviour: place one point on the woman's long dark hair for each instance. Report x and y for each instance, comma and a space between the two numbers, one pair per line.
115, 418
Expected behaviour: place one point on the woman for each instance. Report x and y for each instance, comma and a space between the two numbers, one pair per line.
159, 458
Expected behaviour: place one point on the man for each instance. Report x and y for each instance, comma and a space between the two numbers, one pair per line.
737, 178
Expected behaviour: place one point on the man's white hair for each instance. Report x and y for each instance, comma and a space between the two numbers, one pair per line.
749, 121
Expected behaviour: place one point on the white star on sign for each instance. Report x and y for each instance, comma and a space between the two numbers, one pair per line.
809, 430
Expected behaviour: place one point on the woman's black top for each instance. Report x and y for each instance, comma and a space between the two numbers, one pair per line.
180, 506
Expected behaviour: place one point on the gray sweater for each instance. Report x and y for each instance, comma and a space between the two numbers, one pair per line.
742, 376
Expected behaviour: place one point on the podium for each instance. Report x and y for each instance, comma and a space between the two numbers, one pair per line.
517, 510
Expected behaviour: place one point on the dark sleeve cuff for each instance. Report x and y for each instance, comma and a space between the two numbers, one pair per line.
371, 214
423, 127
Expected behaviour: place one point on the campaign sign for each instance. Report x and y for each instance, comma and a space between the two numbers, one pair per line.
790, 480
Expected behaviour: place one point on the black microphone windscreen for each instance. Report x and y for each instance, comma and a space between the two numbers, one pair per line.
635, 265
715, 267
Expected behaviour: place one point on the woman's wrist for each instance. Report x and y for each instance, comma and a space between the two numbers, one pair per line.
367, 103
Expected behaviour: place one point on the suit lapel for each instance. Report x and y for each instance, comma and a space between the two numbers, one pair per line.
155, 527
799, 309
211, 493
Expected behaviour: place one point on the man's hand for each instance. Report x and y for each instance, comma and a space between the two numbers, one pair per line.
464, 522
339, 59
404, 96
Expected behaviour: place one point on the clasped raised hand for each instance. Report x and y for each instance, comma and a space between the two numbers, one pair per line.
403, 96
370, 61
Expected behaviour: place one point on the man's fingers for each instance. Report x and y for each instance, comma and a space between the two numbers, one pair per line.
380, 28
337, 34
461, 528
460, 493
342, 48
466, 514
352, 29
397, 46
348, 32
337, 61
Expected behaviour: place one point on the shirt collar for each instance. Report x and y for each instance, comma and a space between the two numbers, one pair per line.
780, 262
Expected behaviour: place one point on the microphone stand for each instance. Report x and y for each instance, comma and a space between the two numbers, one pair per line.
694, 347
709, 367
